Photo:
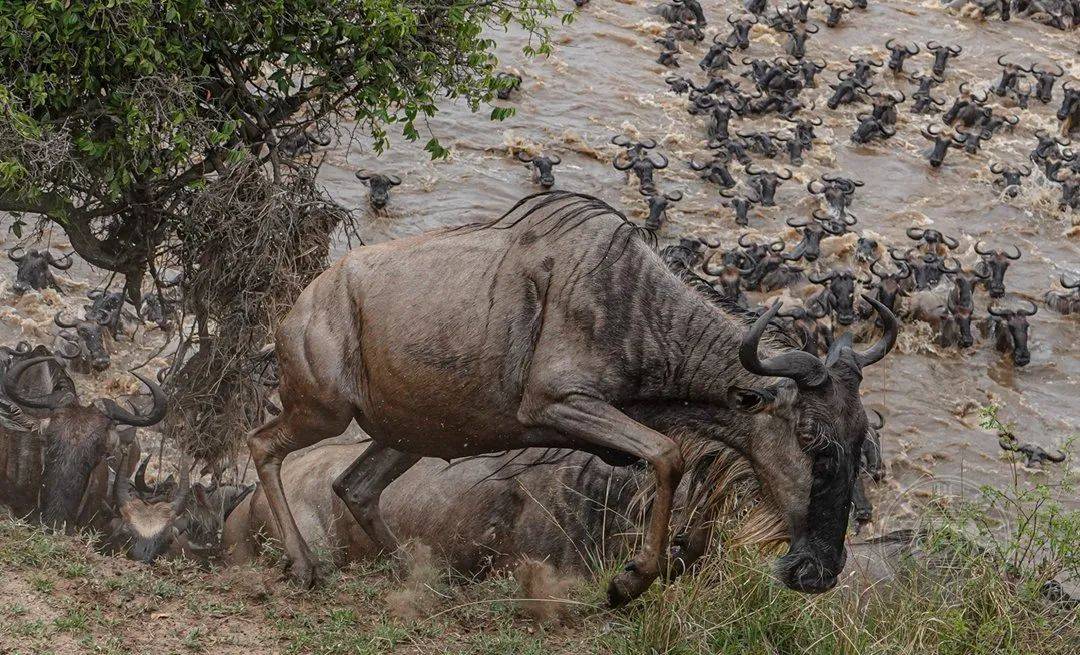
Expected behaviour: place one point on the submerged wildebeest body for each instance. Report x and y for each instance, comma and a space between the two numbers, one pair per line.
566, 508
559, 326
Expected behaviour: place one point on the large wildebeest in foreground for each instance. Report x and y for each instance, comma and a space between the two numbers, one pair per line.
557, 325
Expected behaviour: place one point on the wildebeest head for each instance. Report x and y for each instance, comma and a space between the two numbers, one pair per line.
109, 304
76, 437
942, 142
740, 30
741, 205
1044, 82
805, 321
813, 233
898, 53
890, 286
800, 9
302, 140
145, 525
835, 191
866, 249
884, 106
1011, 328
1069, 113
543, 165
942, 54
961, 302
643, 167
837, 9
797, 37
1011, 177
506, 84
380, 186
1067, 301
715, 170
33, 271
846, 90
864, 68
764, 183
931, 240
658, 206
812, 480
870, 129
993, 265
87, 337
1010, 76
840, 286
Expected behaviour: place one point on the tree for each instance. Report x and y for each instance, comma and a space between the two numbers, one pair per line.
149, 130
114, 111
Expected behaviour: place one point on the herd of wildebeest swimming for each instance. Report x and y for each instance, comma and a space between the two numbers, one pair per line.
571, 378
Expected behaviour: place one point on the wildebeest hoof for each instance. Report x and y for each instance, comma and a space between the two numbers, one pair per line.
626, 586
302, 574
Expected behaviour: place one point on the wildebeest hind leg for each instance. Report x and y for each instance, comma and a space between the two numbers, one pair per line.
361, 485
269, 444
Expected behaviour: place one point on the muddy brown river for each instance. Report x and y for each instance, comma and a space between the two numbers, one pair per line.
603, 80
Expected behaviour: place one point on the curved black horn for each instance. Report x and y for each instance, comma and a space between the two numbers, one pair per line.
59, 396
1010, 255
58, 319
14, 257
63, 263
891, 329
805, 369
154, 416
140, 478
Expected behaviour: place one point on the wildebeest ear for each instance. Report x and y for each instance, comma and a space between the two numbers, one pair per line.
750, 401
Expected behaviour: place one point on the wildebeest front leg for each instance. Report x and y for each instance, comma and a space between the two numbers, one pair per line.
361, 485
592, 423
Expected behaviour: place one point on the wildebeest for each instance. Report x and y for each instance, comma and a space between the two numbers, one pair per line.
837, 9
961, 302
890, 286
643, 166
942, 55
813, 233
994, 264
740, 30
107, 304
1069, 112
715, 170
931, 240
839, 293
379, 185
764, 183
507, 83
870, 465
846, 90
924, 100
836, 191
898, 53
549, 325
543, 167
1067, 301
1011, 177
870, 129
33, 271
658, 206
1010, 76
942, 142
1009, 327
1044, 82
75, 441
1033, 453
303, 142
81, 342
1069, 179
797, 37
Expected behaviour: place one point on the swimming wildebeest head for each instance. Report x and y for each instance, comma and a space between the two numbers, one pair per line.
864, 68
1010, 76
994, 264
1011, 177
804, 320
800, 10
931, 240
718, 57
764, 183
740, 30
33, 271
1049, 151
1011, 331
924, 100
543, 167
658, 206
719, 112
84, 341
643, 167
870, 129
76, 437
961, 301
506, 84
1069, 179
836, 191
302, 141
968, 108
813, 233
1044, 82
837, 9
884, 106
803, 138
1067, 301
942, 54
943, 140
678, 84
809, 70
840, 293
715, 170
109, 304
898, 53
380, 186
1069, 112
846, 90
797, 37
866, 250
890, 285
739, 204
